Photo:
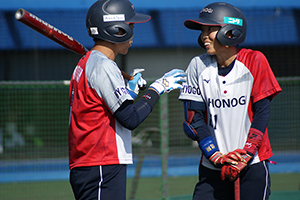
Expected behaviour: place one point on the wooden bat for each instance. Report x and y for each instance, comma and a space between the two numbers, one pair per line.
54, 34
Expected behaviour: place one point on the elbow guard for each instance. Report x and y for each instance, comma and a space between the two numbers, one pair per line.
190, 107
190, 129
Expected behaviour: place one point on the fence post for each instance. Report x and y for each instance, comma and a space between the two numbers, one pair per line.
164, 142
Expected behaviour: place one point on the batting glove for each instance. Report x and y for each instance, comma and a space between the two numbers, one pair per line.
169, 81
219, 159
142, 83
232, 171
254, 140
132, 86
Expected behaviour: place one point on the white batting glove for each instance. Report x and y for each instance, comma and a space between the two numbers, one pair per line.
142, 83
169, 81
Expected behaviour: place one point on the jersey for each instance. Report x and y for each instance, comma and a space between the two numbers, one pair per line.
229, 99
97, 90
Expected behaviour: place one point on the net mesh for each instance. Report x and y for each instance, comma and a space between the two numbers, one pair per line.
34, 120
34, 114
34, 137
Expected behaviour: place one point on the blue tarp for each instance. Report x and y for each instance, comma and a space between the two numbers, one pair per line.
143, 4
187, 165
275, 24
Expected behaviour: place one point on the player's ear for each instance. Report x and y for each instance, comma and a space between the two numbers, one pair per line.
229, 34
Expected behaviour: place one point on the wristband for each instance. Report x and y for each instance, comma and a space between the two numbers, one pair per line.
151, 97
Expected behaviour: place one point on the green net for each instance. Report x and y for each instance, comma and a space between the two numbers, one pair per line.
34, 139
33, 120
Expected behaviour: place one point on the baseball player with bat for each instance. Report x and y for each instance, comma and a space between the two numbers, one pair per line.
227, 100
102, 111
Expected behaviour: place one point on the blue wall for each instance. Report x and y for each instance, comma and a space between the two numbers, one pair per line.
270, 22
144, 4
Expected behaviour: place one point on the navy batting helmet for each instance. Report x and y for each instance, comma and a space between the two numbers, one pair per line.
225, 15
105, 18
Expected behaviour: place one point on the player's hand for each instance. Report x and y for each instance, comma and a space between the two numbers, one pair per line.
231, 171
132, 85
237, 155
142, 83
169, 81
219, 159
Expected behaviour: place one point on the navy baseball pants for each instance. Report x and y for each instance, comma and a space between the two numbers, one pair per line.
104, 182
254, 184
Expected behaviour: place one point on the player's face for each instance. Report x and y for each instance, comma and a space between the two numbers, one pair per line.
209, 39
123, 47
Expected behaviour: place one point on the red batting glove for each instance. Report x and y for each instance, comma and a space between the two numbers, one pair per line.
219, 159
231, 171
237, 155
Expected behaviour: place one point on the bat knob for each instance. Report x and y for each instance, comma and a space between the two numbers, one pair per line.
143, 87
142, 83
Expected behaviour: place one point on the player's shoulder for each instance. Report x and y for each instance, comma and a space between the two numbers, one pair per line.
249, 54
99, 62
203, 60
100, 58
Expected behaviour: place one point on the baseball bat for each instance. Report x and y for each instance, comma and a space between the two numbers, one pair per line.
54, 34
237, 189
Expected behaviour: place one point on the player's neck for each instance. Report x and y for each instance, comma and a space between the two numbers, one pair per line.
226, 57
106, 49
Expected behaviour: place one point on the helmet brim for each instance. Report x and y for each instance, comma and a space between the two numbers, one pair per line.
139, 18
196, 24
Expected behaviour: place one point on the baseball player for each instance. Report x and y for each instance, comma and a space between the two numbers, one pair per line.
227, 100
102, 112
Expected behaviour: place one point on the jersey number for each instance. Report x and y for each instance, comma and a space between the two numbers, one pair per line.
213, 121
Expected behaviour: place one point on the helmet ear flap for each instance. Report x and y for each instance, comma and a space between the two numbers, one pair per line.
115, 30
111, 32
236, 35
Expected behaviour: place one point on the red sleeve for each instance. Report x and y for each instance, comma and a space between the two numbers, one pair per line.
265, 83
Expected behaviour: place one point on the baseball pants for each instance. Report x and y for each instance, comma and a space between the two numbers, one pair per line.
254, 184
104, 182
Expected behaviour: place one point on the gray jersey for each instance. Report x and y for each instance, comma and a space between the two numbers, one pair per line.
105, 77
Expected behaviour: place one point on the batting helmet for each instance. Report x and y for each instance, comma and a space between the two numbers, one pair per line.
225, 15
105, 18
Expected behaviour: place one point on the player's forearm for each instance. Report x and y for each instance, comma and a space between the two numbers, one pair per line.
202, 131
261, 114
132, 115
204, 138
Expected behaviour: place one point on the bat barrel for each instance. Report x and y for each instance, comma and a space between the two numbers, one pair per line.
53, 33
49, 31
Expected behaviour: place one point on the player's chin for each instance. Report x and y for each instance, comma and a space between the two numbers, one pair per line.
124, 52
211, 53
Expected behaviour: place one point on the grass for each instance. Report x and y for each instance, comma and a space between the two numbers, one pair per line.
284, 186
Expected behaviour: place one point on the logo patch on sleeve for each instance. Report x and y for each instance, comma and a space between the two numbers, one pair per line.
77, 73
121, 91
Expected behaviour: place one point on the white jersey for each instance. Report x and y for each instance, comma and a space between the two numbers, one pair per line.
229, 98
